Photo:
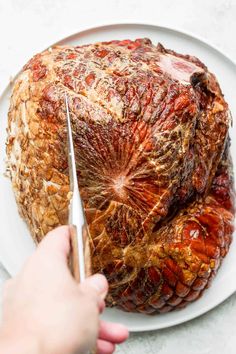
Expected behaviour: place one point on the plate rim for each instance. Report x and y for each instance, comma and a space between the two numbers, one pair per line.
100, 25
183, 319
179, 31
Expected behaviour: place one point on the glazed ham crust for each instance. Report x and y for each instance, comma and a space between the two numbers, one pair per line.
151, 137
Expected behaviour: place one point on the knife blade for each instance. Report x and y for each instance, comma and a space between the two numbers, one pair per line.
77, 220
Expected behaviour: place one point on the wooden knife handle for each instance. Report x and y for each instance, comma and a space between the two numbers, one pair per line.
74, 258
74, 255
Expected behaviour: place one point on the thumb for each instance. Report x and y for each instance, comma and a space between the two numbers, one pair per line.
97, 283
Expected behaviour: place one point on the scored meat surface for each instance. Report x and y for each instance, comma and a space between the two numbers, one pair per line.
151, 140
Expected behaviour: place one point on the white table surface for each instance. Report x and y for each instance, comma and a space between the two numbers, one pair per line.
28, 26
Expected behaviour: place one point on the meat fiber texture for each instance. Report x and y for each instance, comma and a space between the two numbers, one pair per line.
150, 128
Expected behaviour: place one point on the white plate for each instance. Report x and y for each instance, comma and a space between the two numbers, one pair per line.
15, 241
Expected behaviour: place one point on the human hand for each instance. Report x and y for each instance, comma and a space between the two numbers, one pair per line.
45, 311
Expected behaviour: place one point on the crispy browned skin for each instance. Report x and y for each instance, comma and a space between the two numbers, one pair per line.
151, 135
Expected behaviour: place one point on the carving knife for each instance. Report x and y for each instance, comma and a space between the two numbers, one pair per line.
77, 220
80, 262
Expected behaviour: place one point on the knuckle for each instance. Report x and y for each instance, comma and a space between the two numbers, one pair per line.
88, 292
89, 299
